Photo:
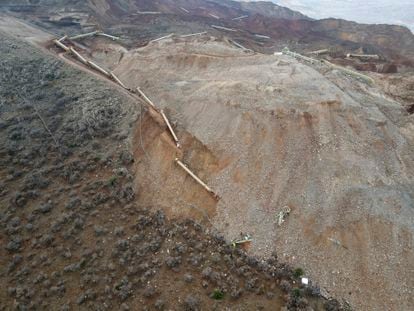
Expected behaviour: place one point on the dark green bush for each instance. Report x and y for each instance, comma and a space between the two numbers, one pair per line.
298, 272
296, 293
217, 294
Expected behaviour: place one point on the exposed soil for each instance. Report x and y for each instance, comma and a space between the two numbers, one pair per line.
266, 132
279, 133
75, 234
276, 26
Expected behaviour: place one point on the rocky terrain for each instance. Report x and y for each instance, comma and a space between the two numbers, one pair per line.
279, 133
74, 233
94, 206
142, 20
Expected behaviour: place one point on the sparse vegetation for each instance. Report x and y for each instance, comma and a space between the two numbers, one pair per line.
298, 272
73, 235
217, 294
296, 293
112, 181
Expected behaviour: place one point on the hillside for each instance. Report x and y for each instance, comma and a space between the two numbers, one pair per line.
75, 234
279, 133
309, 162
144, 20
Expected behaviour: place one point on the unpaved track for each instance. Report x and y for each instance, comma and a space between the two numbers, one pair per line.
69, 60
38, 37
23, 30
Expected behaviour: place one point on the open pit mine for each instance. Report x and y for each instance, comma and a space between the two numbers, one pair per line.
203, 155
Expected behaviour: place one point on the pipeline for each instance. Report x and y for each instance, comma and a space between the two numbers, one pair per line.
162, 38
116, 79
299, 56
95, 66
89, 34
80, 57
363, 56
63, 38
148, 12
215, 16
102, 34
198, 180
223, 28
194, 34
240, 17
146, 98
319, 52
350, 72
262, 36
239, 45
61, 45
170, 128
355, 74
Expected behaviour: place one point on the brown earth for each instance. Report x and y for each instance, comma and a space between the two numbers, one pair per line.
281, 133
76, 235
268, 132
284, 27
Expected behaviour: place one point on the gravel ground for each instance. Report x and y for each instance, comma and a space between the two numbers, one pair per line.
335, 151
74, 234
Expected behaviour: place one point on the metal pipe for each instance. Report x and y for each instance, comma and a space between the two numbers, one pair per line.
145, 97
319, 52
297, 55
113, 76
363, 56
148, 12
262, 36
223, 28
170, 128
365, 78
95, 66
198, 180
240, 17
165, 37
239, 45
84, 35
80, 57
194, 34
61, 45
63, 38
102, 34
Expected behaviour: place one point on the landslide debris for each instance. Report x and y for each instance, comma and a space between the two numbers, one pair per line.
74, 235
265, 26
285, 134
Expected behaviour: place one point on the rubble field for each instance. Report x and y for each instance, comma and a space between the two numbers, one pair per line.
74, 234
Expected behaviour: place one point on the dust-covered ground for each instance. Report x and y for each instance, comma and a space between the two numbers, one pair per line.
265, 132
74, 233
274, 133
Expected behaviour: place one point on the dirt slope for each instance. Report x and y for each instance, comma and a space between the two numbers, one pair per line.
281, 133
75, 234
267, 132
138, 21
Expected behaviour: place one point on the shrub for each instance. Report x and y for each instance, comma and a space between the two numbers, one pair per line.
298, 272
217, 294
112, 181
296, 293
